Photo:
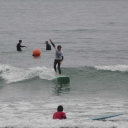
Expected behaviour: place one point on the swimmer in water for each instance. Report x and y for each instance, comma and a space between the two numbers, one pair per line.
48, 46
59, 114
19, 46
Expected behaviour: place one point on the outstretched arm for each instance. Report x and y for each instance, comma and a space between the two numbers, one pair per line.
23, 46
52, 43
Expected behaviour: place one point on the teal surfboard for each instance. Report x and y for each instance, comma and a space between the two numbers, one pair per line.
62, 79
105, 117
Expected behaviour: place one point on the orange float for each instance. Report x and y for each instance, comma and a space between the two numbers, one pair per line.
36, 52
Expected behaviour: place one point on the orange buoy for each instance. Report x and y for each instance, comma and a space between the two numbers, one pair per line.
36, 52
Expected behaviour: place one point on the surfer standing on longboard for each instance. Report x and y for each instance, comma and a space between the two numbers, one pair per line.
58, 56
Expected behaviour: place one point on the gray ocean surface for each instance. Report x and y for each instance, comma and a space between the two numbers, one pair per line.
94, 39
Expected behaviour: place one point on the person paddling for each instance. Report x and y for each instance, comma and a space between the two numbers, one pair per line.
58, 57
59, 114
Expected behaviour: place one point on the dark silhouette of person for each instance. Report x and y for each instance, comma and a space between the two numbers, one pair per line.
19, 46
48, 46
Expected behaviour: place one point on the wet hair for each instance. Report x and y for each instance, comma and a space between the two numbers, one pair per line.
46, 42
60, 108
59, 46
20, 41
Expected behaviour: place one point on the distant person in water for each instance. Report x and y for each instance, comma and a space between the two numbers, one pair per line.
59, 114
58, 57
19, 46
48, 46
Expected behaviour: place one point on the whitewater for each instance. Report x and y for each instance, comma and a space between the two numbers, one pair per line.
93, 36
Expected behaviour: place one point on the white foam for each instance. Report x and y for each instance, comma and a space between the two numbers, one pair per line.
121, 68
38, 113
49, 123
13, 74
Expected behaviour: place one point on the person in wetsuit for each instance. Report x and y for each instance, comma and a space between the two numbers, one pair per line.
19, 46
58, 57
59, 114
48, 46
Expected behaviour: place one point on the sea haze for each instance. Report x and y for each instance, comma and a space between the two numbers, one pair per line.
94, 37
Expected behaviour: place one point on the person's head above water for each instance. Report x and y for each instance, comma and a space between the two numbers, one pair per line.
20, 41
46, 42
60, 108
59, 47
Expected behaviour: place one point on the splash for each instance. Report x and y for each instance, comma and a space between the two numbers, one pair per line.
13, 74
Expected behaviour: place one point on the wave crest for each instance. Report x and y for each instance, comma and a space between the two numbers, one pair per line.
13, 74
121, 68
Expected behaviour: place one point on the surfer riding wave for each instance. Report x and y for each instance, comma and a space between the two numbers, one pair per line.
58, 56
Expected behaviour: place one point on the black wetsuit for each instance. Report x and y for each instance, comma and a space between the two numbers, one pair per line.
58, 58
48, 47
19, 47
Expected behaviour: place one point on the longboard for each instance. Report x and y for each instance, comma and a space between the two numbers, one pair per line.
63, 79
105, 117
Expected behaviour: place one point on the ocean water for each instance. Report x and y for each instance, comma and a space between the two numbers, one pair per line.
94, 39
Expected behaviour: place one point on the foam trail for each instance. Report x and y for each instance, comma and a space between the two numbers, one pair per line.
13, 74
121, 68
